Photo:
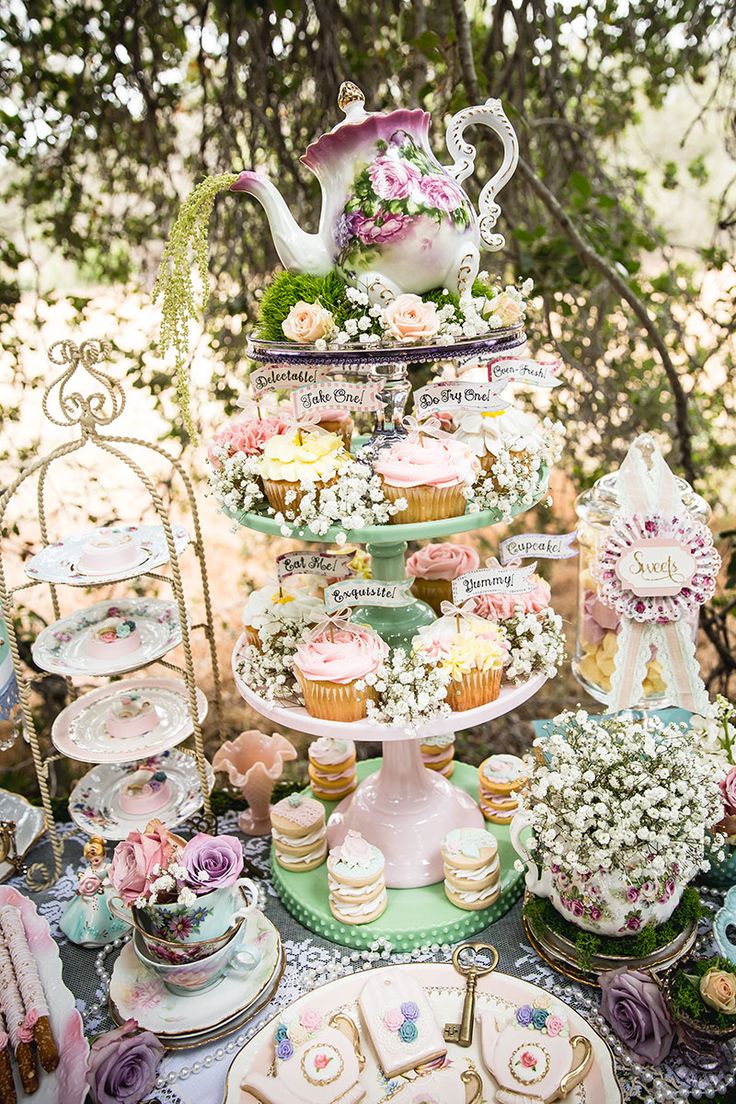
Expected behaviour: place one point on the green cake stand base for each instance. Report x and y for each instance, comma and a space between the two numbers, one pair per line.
414, 917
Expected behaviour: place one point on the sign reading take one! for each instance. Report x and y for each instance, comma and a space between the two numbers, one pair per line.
367, 592
281, 377
656, 568
457, 395
492, 580
330, 565
538, 373
328, 394
538, 546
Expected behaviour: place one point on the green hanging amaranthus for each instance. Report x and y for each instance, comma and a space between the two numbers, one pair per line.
174, 285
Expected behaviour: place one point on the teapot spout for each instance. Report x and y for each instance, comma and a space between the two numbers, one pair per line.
299, 251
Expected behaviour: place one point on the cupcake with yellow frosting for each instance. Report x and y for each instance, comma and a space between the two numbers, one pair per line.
298, 462
474, 652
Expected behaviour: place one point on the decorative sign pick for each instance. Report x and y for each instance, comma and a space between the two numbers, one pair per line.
328, 394
538, 546
493, 579
329, 565
463, 395
537, 373
657, 565
367, 592
282, 377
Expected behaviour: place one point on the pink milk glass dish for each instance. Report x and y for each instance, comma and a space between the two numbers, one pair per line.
254, 763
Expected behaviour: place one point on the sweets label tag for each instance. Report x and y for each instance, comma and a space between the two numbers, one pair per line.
460, 395
656, 568
538, 546
334, 565
335, 393
285, 377
493, 580
367, 592
537, 373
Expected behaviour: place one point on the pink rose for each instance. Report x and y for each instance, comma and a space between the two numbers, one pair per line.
89, 885
392, 179
528, 1060
310, 1019
380, 229
440, 192
307, 322
577, 908
134, 860
322, 1061
554, 1025
594, 913
393, 1019
246, 435
507, 309
728, 789
409, 319
632, 893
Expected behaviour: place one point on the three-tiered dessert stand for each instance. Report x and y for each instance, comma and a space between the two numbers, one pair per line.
399, 805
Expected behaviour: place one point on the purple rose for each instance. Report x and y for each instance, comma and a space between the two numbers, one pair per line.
123, 1064
633, 923
409, 1010
371, 231
212, 862
440, 192
594, 913
632, 894
284, 1050
345, 228
633, 1005
524, 1015
392, 179
578, 908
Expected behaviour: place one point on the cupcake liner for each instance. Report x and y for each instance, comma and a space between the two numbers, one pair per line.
335, 701
432, 591
277, 489
426, 503
488, 461
474, 688
252, 637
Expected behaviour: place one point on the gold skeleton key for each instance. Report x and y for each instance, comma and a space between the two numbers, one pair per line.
472, 960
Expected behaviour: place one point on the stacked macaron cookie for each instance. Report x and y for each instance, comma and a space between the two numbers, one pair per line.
472, 869
500, 779
429, 473
276, 606
332, 773
434, 567
335, 666
356, 881
438, 753
299, 833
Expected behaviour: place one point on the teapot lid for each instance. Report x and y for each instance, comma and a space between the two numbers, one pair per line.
361, 125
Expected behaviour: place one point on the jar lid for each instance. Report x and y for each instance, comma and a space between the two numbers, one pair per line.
600, 503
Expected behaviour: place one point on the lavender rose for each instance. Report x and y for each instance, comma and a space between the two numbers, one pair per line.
392, 179
212, 862
634, 1007
440, 192
123, 1064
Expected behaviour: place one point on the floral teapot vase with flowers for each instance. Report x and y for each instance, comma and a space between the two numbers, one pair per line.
393, 219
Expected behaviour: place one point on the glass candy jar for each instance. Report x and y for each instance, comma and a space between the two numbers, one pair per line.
597, 624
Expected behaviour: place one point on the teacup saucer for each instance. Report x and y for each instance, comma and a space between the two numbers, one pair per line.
57, 563
137, 992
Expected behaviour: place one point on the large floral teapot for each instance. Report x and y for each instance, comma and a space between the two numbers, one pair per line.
393, 219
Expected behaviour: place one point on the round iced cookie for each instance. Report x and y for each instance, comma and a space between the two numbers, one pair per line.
355, 862
469, 848
502, 774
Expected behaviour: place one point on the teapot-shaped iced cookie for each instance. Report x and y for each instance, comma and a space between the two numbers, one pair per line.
393, 219
316, 1062
531, 1056
442, 1086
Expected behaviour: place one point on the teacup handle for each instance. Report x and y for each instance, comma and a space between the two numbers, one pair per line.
521, 825
490, 114
252, 888
120, 911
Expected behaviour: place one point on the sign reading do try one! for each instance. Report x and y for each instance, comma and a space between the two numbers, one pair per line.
461, 395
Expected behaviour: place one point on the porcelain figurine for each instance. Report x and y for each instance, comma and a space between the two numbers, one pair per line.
254, 763
87, 919
532, 1057
724, 927
393, 219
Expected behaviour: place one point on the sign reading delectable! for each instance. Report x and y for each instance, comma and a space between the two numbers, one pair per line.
329, 394
656, 567
538, 546
281, 377
538, 373
493, 580
333, 565
367, 592
457, 395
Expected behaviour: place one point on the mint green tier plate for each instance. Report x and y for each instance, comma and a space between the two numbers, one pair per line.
414, 916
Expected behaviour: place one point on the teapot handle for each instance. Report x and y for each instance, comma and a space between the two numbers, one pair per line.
490, 114
345, 1024
517, 828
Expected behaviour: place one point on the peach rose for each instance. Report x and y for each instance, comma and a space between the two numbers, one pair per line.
718, 989
307, 322
409, 319
508, 310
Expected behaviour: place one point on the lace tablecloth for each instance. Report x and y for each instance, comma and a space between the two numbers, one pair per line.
307, 955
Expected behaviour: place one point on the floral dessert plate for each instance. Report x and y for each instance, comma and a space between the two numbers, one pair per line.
63, 648
57, 562
496, 993
137, 992
30, 825
80, 731
67, 1084
94, 803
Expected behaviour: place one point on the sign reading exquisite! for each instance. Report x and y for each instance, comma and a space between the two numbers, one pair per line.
367, 592
329, 565
276, 377
493, 580
461, 395
538, 546
538, 373
331, 394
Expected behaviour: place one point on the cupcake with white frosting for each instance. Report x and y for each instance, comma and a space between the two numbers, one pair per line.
491, 434
276, 606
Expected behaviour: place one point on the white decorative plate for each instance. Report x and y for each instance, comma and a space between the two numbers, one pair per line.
136, 991
94, 803
56, 563
30, 825
62, 647
68, 1083
445, 990
79, 730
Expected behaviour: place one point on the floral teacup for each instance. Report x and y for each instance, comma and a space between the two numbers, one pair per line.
235, 956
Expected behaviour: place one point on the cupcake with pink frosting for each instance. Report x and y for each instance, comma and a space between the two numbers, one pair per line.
431, 474
435, 566
338, 421
502, 607
247, 435
336, 666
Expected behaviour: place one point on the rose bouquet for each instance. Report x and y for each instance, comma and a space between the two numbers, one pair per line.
701, 997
